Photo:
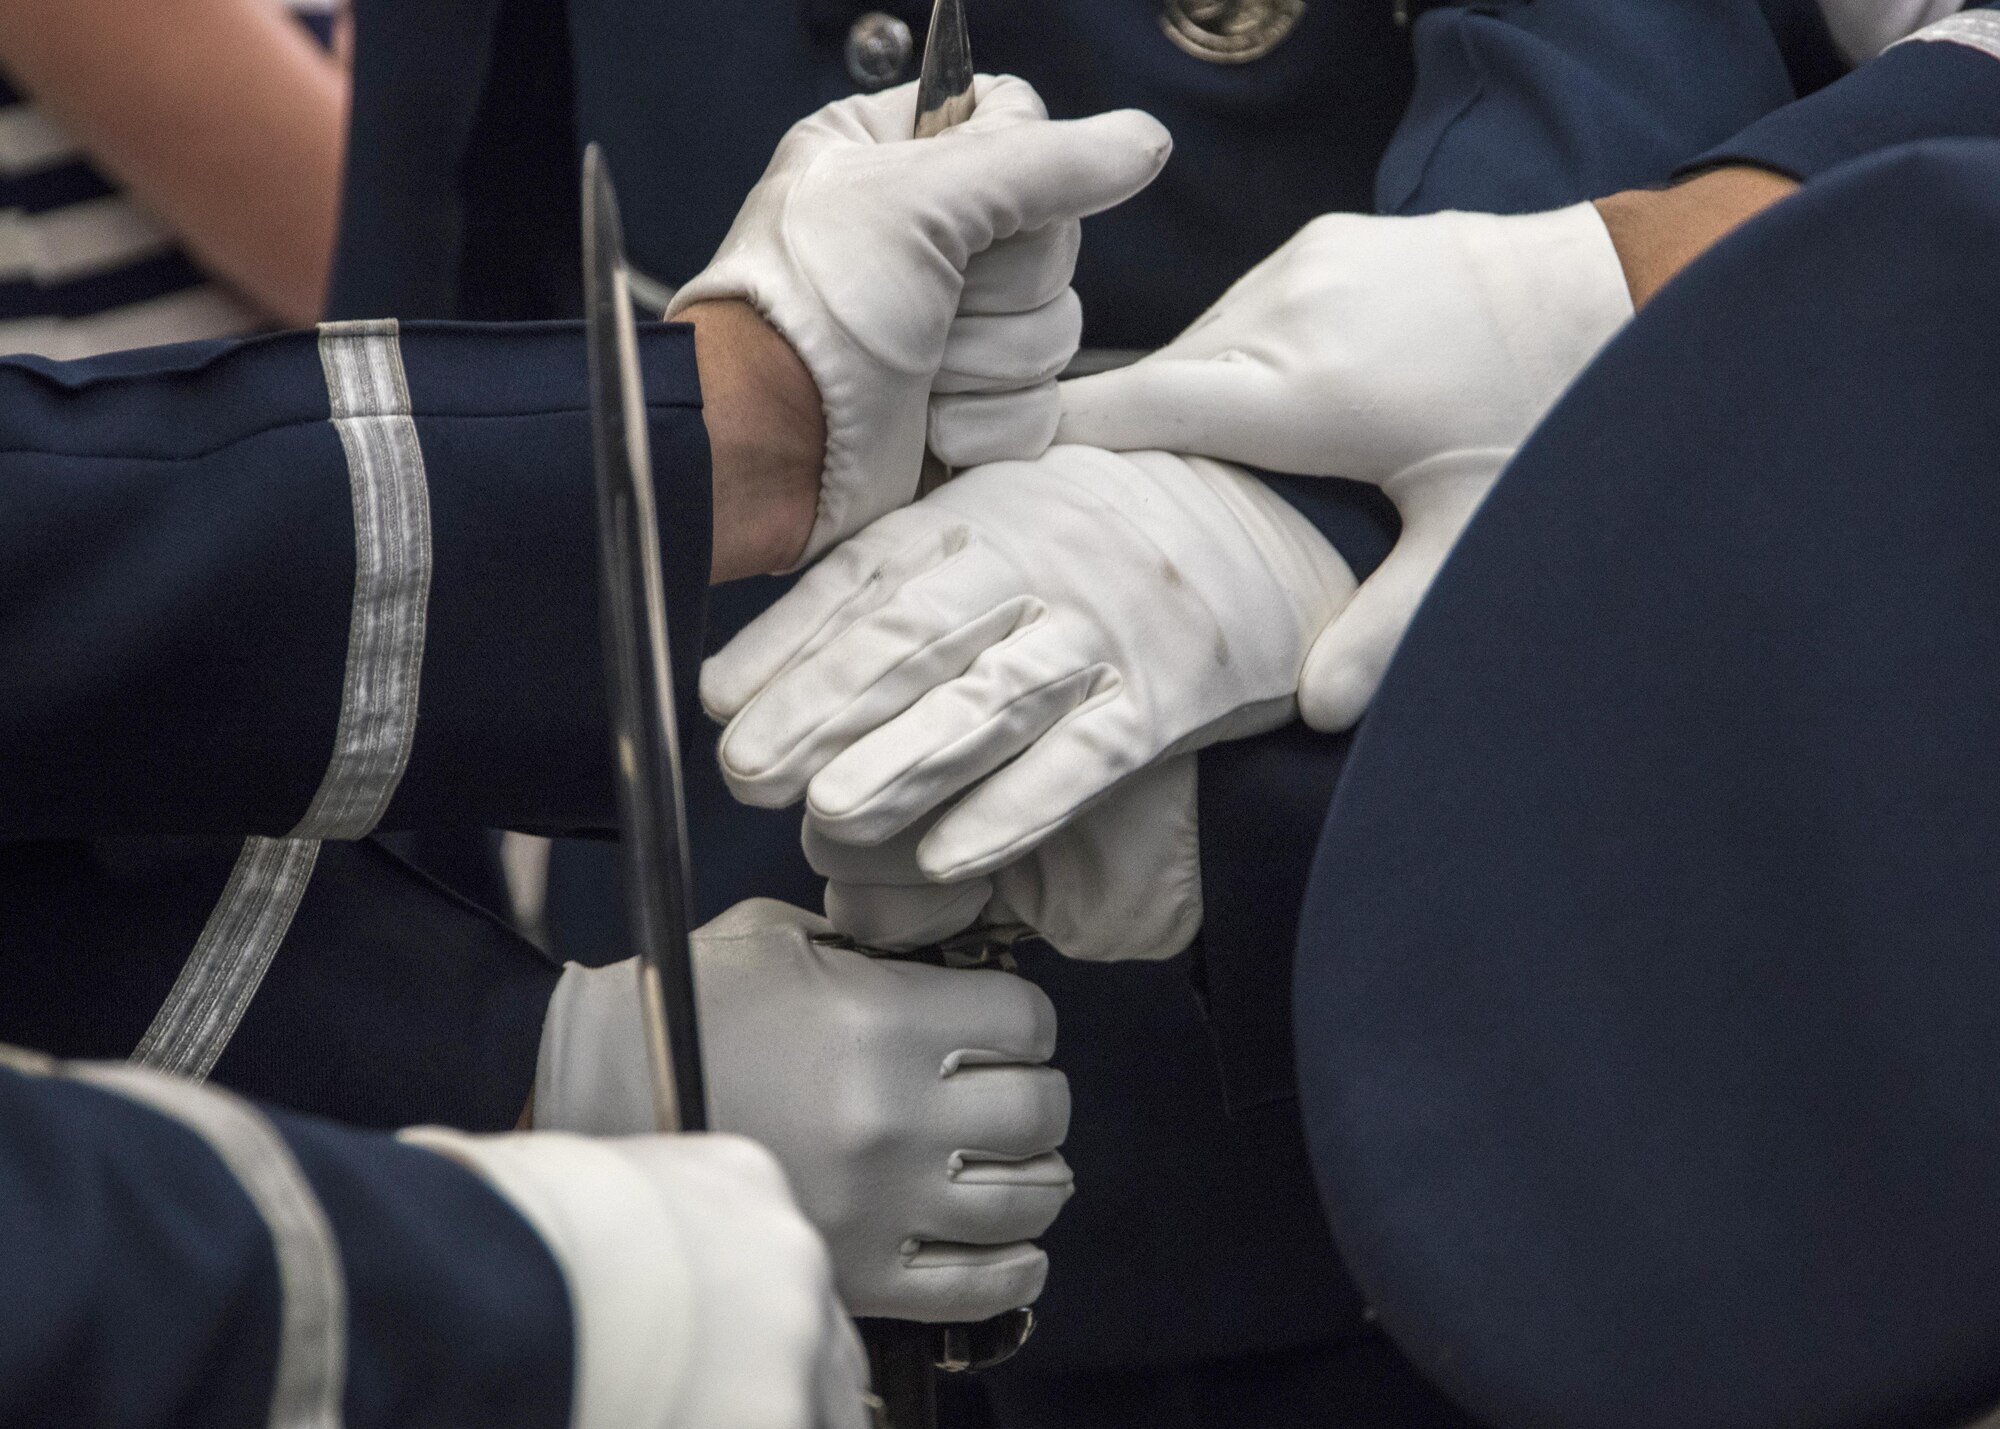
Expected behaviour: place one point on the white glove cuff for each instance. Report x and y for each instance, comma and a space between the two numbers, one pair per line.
612, 1235
1557, 288
591, 1074
845, 482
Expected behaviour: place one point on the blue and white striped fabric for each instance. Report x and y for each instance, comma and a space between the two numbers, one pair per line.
84, 270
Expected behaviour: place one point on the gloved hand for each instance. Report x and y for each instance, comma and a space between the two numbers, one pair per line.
1072, 619
910, 1105
1122, 881
701, 1297
1412, 353
894, 266
1862, 29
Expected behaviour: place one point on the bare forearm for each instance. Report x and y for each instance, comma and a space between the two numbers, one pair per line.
221, 116
1658, 232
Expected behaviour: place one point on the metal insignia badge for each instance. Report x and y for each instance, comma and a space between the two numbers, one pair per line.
1230, 32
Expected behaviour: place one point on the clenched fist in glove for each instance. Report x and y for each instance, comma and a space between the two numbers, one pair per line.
1412, 353
1120, 882
911, 1106
896, 267
1042, 629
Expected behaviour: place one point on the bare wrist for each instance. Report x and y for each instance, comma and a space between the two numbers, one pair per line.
1658, 232
766, 436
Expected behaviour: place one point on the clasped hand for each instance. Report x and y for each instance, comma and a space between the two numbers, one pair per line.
1031, 633
1415, 354
911, 1106
1026, 640
898, 268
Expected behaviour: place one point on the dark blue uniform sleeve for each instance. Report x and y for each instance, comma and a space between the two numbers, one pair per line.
1943, 84
296, 589
1524, 107
172, 1255
389, 1000
313, 584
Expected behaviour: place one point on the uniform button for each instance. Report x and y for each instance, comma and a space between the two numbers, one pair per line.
878, 50
1230, 32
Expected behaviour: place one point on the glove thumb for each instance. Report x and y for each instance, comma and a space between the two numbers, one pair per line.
1346, 663
1023, 177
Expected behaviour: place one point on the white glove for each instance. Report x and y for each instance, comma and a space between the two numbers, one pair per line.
1121, 881
1081, 616
910, 1105
1412, 353
1862, 29
895, 266
701, 1298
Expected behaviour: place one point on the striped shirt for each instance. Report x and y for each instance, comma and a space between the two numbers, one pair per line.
84, 269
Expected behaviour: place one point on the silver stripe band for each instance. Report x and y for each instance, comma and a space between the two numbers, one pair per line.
311, 1373
370, 400
230, 957
1977, 29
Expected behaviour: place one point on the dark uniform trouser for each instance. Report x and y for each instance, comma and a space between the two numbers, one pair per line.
1360, 1381
1648, 1000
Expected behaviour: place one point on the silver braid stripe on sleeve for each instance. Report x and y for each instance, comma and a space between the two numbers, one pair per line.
310, 1376
368, 398
230, 957
1975, 29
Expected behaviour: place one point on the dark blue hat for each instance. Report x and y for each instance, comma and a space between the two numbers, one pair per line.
1648, 994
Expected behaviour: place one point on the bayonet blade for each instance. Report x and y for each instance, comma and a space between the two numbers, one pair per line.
904, 1358
944, 101
944, 85
633, 610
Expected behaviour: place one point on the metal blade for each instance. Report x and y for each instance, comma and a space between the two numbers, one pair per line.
944, 85
652, 815
904, 1358
944, 101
